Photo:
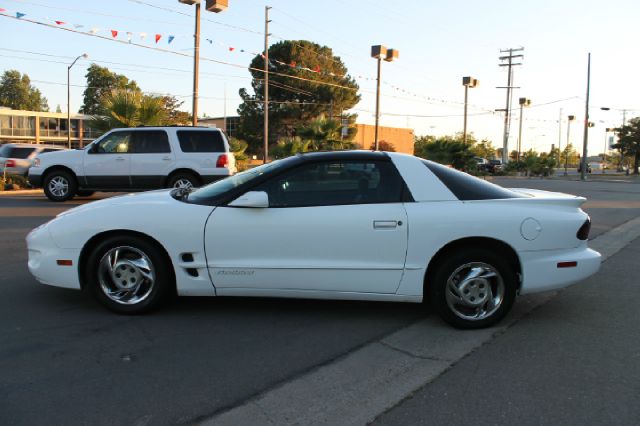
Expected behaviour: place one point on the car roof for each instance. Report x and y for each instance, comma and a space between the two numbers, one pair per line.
343, 155
168, 127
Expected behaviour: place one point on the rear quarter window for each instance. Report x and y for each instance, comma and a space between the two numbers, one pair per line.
466, 187
200, 141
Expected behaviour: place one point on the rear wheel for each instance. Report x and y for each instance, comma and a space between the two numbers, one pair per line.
473, 288
183, 180
59, 185
129, 274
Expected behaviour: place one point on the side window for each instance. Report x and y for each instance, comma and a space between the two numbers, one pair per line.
44, 151
150, 141
115, 143
201, 141
335, 183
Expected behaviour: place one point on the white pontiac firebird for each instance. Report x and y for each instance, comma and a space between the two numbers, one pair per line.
338, 225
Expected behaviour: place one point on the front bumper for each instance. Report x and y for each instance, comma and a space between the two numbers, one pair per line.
540, 270
43, 257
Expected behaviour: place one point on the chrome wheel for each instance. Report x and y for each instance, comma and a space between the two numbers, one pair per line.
475, 291
183, 183
59, 186
126, 275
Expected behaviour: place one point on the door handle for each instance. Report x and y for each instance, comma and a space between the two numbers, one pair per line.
385, 224
119, 159
166, 158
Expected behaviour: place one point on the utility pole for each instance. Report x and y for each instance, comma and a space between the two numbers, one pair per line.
467, 82
507, 117
375, 135
559, 135
196, 65
570, 118
583, 163
266, 84
523, 102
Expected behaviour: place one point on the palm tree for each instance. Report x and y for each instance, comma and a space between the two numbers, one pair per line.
127, 108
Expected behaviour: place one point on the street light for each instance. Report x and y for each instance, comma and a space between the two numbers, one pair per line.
84, 56
604, 153
212, 6
524, 102
467, 82
380, 52
570, 118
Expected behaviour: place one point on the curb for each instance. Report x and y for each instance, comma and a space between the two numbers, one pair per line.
21, 192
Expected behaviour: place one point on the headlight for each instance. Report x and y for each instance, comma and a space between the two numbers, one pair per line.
36, 162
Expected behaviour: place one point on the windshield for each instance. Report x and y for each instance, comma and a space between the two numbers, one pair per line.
222, 186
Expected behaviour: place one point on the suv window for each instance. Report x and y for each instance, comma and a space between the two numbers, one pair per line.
201, 141
335, 183
115, 143
44, 151
15, 152
150, 141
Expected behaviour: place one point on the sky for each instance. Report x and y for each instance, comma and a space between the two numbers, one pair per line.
439, 43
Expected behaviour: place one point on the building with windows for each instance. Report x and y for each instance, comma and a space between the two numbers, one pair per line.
400, 139
229, 125
49, 128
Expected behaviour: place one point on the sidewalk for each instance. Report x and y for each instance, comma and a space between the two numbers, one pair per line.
21, 192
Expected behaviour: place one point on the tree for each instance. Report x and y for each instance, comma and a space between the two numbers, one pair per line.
629, 141
323, 134
294, 101
101, 81
124, 108
449, 150
384, 146
16, 92
58, 109
171, 105
484, 149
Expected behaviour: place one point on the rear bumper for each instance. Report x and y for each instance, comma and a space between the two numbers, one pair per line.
540, 270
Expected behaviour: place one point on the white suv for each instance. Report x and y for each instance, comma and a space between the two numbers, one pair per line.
136, 159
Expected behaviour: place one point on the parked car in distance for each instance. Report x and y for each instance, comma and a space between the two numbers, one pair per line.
136, 159
494, 166
17, 158
316, 226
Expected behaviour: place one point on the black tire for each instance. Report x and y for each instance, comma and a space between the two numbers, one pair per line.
60, 185
82, 193
99, 278
183, 177
458, 309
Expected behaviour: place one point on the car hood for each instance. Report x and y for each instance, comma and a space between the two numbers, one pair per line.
159, 197
59, 156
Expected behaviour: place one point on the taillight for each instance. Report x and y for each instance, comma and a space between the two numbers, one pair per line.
583, 232
10, 163
223, 161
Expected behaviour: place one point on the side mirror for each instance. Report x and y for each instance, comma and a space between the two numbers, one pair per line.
255, 199
93, 148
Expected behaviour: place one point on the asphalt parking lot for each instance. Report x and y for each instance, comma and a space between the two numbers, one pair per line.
65, 360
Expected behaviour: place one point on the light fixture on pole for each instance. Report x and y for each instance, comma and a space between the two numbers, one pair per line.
587, 124
570, 118
212, 6
467, 82
84, 56
524, 102
380, 52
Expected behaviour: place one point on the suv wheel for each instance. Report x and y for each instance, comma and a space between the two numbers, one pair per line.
60, 185
183, 180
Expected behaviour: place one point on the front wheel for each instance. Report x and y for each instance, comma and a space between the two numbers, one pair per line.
129, 274
473, 288
59, 185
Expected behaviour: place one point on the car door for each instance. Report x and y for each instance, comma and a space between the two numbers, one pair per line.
107, 162
151, 159
330, 226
